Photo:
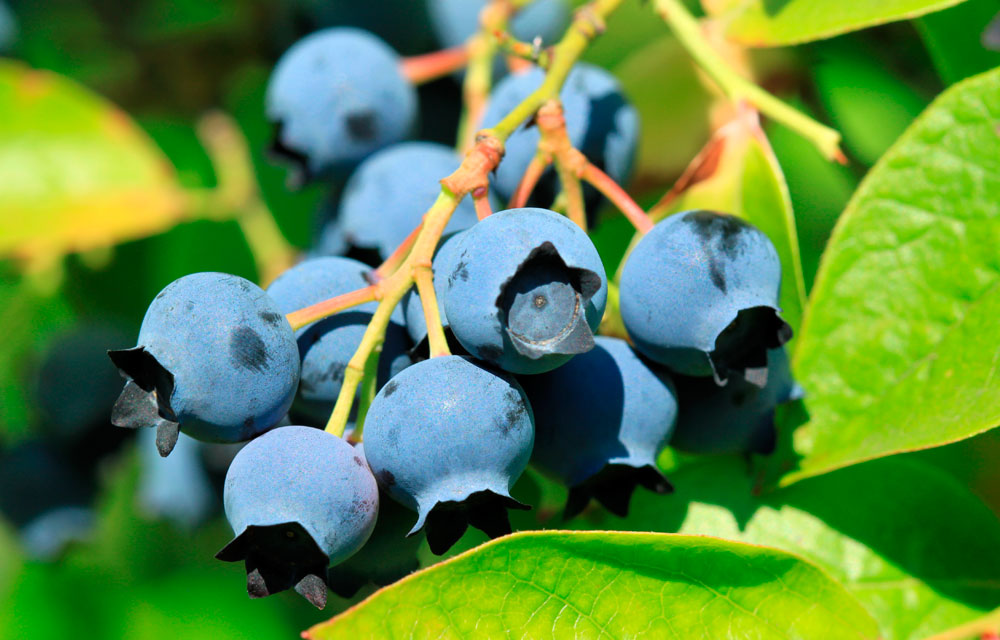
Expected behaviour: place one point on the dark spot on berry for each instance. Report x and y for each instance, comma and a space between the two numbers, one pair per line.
385, 478
336, 371
270, 317
719, 234
490, 352
513, 412
247, 350
358, 461
390, 388
361, 126
460, 272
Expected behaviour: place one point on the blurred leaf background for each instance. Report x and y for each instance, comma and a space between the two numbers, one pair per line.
165, 63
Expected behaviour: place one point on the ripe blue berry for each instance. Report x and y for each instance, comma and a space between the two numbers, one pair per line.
48, 535
298, 499
8, 27
600, 122
699, 293
387, 195
735, 418
326, 346
600, 422
176, 488
455, 21
215, 356
448, 438
336, 96
526, 291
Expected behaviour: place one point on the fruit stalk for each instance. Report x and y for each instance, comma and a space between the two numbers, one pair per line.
618, 196
736, 87
470, 177
431, 66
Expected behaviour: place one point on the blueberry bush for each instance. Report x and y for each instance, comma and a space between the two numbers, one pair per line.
500, 318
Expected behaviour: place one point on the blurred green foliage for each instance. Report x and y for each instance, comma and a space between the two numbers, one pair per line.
166, 62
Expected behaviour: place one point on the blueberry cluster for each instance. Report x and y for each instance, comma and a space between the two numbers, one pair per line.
435, 445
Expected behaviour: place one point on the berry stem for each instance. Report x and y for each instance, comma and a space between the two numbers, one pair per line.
471, 177
431, 66
688, 30
327, 308
613, 192
576, 210
369, 382
481, 199
531, 51
424, 278
398, 255
529, 180
237, 192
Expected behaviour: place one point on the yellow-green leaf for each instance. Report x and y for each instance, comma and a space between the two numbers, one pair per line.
76, 173
597, 584
772, 23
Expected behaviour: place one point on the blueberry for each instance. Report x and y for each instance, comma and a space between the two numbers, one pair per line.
448, 438
735, 418
215, 356
176, 488
326, 346
600, 422
8, 27
299, 500
413, 310
699, 293
527, 290
600, 122
387, 195
35, 478
388, 556
455, 21
336, 96
48, 535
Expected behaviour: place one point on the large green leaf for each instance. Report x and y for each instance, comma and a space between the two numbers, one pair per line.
76, 173
771, 23
603, 584
899, 350
913, 545
738, 173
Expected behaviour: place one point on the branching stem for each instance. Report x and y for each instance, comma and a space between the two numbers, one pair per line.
431, 66
736, 87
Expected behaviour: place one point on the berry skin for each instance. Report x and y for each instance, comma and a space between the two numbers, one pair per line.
699, 293
413, 310
600, 422
526, 291
600, 123
48, 535
448, 438
736, 418
299, 500
336, 96
387, 195
455, 21
176, 488
215, 356
326, 346
8, 27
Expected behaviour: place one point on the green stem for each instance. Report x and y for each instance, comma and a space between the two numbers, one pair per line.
736, 87
369, 382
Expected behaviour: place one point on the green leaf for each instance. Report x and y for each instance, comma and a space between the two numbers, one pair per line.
898, 351
737, 173
602, 584
954, 38
868, 104
75, 172
773, 23
919, 551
